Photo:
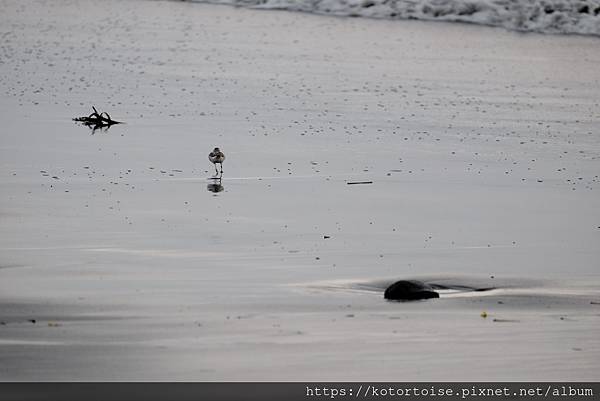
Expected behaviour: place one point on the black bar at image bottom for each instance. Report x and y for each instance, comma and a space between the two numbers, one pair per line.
248, 391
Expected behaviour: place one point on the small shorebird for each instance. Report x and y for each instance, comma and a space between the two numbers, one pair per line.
216, 156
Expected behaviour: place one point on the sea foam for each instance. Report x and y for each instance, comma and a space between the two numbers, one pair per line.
544, 16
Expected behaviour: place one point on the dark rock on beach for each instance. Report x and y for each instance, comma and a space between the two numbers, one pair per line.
410, 290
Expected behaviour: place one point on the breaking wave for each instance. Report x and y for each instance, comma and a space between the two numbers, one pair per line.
544, 16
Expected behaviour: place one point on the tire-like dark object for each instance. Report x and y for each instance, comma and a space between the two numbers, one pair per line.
409, 290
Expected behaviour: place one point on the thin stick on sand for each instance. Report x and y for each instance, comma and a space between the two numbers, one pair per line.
359, 182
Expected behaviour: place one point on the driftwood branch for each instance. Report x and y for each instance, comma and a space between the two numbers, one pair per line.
97, 120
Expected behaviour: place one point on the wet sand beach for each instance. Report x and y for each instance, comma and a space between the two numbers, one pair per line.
119, 262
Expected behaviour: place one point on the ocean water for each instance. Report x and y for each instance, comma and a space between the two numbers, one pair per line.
544, 16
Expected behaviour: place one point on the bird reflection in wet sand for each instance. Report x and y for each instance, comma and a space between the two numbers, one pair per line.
215, 186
